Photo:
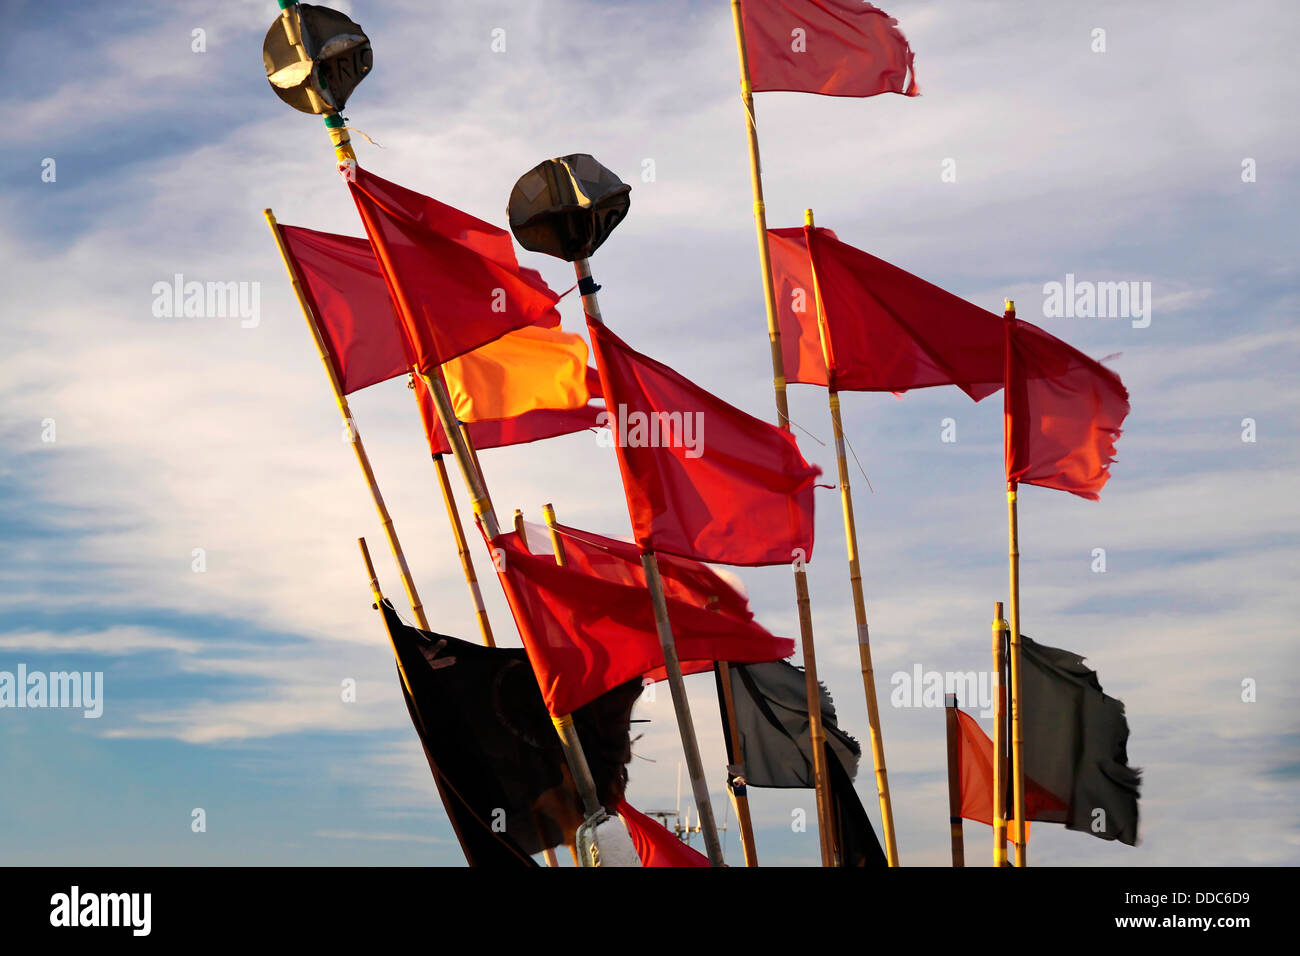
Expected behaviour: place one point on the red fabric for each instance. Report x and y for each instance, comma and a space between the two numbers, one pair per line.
454, 279
730, 488
849, 48
684, 580
796, 306
349, 299
586, 634
975, 767
655, 844
1063, 413
689, 581
529, 427
890, 331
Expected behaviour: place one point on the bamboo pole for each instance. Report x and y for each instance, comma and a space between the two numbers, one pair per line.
738, 788
802, 600
682, 707
999, 737
378, 595
739, 797
345, 412
855, 571
954, 779
457, 438
663, 627
564, 727
462, 550
1017, 729
1013, 566
557, 543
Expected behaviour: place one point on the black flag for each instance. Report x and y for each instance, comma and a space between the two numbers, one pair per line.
771, 705
1076, 744
493, 751
854, 835
772, 720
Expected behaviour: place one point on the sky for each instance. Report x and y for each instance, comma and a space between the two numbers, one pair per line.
179, 509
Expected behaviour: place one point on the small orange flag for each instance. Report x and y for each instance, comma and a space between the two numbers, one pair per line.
523, 371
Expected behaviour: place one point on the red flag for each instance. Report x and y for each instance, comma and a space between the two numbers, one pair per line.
796, 306
349, 300
691, 582
975, 765
1063, 413
703, 479
833, 47
887, 330
529, 427
586, 634
655, 844
454, 279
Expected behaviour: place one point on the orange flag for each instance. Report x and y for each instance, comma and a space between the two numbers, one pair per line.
523, 371
975, 759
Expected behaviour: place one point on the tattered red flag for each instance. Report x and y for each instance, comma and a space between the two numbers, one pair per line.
454, 279
887, 330
832, 47
655, 844
586, 633
703, 479
1063, 413
529, 427
975, 770
349, 300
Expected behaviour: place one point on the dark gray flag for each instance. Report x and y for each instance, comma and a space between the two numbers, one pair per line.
1076, 744
772, 719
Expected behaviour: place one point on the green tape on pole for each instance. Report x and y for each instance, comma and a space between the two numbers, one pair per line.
333, 121
286, 4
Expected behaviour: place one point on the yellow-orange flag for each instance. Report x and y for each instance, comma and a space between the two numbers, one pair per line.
525, 370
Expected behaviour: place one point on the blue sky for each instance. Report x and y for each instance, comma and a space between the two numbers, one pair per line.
171, 434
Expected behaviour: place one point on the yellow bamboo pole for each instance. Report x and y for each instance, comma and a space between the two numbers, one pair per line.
664, 630
740, 799
378, 595
739, 794
802, 600
557, 543
1017, 730
457, 438
1013, 565
345, 412
855, 578
999, 737
462, 550
564, 726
